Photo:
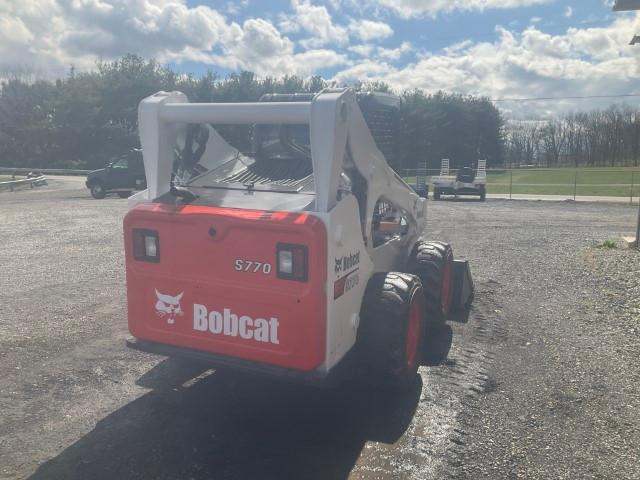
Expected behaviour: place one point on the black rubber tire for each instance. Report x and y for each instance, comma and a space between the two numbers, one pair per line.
124, 194
97, 191
436, 194
483, 194
384, 324
428, 261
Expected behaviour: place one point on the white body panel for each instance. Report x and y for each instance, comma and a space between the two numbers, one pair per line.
344, 239
236, 113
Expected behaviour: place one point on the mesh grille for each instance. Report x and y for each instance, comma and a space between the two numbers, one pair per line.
274, 171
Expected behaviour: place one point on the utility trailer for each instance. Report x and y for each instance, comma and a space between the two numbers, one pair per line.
465, 182
303, 259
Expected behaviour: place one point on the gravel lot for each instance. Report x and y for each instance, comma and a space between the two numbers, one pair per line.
541, 381
563, 394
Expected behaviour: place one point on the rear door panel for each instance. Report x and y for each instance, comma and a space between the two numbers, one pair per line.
197, 297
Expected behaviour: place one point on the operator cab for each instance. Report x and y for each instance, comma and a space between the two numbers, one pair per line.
273, 170
466, 175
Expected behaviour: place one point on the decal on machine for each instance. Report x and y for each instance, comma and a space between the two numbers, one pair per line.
346, 262
230, 324
346, 283
168, 306
251, 266
346, 269
225, 323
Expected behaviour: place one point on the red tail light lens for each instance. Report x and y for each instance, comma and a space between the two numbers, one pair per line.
146, 245
292, 262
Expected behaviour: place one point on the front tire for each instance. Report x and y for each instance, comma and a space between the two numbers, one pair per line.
436, 194
97, 191
483, 194
432, 262
391, 334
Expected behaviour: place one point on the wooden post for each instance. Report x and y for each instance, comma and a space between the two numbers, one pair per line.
623, 5
510, 183
638, 228
575, 184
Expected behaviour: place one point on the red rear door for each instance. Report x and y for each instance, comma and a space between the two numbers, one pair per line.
215, 286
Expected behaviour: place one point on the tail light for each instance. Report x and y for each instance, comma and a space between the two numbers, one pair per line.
146, 245
292, 262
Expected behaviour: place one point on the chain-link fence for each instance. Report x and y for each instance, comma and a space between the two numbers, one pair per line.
571, 183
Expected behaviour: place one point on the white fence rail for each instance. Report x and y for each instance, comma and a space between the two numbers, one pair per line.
32, 182
45, 171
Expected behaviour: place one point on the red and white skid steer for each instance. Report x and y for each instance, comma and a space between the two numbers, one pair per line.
302, 259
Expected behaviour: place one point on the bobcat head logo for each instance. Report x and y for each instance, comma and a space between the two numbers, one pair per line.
168, 307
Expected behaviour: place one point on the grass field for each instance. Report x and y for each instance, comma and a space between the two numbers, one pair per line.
614, 182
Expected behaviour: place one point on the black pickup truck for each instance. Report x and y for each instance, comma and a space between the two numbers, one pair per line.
121, 176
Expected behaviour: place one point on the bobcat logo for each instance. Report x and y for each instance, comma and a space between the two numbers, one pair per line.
168, 307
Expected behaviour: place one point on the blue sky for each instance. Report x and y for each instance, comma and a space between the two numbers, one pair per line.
497, 48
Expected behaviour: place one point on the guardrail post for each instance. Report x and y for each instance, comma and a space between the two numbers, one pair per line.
510, 184
575, 184
638, 229
13, 177
633, 174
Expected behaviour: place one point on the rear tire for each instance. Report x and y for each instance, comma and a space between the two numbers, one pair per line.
391, 333
432, 262
97, 191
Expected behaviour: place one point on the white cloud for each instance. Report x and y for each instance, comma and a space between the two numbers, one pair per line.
364, 50
370, 30
394, 53
417, 8
382, 54
365, 71
81, 31
258, 41
234, 7
260, 48
316, 21
46, 36
593, 61
568, 12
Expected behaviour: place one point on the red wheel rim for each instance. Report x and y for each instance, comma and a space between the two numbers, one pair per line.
414, 331
445, 297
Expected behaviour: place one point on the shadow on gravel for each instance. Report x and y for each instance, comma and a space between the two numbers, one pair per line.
233, 427
460, 316
437, 345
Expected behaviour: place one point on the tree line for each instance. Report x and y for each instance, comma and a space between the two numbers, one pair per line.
596, 138
85, 119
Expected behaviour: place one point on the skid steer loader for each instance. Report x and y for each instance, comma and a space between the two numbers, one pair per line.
301, 259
